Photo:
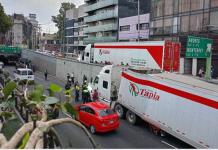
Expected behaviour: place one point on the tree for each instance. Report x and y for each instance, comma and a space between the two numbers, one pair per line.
5, 21
59, 19
30, 135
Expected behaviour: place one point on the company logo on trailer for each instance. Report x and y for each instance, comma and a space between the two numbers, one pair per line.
101, 51
136, 91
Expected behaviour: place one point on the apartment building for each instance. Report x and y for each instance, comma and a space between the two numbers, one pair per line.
129, 31
74, 26
176, 19
102, 18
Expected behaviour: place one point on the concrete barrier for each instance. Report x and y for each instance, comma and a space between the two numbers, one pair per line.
59, 67
41, 62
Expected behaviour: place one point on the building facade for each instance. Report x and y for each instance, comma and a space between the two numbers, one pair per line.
177, 19
74, 26
49, 42
128, 28
102, 18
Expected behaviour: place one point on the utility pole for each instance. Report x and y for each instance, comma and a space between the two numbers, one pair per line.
138, 20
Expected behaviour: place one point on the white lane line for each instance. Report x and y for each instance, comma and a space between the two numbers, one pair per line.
169, 144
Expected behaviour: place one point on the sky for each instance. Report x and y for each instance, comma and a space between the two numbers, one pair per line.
43, 9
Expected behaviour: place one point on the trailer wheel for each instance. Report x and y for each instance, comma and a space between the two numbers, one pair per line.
119, 110
131, 117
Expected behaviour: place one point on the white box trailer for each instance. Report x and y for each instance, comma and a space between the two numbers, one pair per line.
182, 106
164, 55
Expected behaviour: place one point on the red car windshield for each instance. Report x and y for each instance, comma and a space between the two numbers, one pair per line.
105, 112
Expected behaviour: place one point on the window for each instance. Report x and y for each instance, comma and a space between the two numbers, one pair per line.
96, 80
213, 18
143, 26
184, 23
106, 112
125, 28
214, 3
105, 84
197, 4
107, 71
24, 72
184, 5
168, 7
90, 110
30, 73
82, 108
196, 22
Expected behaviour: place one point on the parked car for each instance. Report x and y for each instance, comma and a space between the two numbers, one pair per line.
24, 63
24, 74
97, 116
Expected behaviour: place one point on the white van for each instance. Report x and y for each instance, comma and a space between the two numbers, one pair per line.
24, 74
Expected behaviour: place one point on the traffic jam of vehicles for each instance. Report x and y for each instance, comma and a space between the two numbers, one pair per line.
142, 83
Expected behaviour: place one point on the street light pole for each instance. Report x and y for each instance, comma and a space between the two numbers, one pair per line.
138, 20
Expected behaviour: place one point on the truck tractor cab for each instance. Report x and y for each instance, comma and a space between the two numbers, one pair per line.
108, 78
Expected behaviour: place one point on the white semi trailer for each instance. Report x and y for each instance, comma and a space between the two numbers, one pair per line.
182, 106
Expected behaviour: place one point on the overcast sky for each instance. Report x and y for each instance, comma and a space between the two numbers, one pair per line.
43, 9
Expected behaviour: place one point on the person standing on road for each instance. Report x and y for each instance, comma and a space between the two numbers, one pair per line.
95, 95
77, 88
114, 94
46, 74
72, 77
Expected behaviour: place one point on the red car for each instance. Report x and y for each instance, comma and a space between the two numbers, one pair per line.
98, 117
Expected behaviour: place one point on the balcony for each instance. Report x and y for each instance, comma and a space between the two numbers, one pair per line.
91, 40
100, 4
101, 16
105, 27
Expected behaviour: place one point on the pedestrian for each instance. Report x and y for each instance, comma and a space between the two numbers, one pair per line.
114, 94
77, 89
84, 78
72, 77
95, 95
201, 72
85, 94
212, 71
46, 74
68, 76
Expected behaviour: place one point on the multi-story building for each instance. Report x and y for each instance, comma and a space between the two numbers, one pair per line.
128, 28
176, 19
74, 26
24, 32
102, 18
34, 35
50, 43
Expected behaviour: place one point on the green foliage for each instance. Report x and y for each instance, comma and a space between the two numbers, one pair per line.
68, 108
36, 96
55, 88
51, 100
8, 89
5, 21
59, 19
10, 127
24, 141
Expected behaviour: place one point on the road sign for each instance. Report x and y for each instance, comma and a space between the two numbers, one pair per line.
198, 47
10, 50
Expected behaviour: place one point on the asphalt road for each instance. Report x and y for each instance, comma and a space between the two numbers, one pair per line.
127, 136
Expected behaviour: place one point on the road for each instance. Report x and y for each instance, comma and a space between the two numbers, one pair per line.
127, 136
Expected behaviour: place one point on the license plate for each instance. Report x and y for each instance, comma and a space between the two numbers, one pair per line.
111, 121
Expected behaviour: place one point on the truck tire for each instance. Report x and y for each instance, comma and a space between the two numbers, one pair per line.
131, 117
119, 110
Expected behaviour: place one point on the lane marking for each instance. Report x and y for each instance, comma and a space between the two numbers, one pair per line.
169, 144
